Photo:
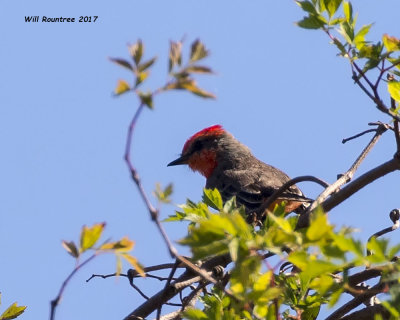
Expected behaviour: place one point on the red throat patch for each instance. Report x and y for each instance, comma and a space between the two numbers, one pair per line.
210, 131
204, 162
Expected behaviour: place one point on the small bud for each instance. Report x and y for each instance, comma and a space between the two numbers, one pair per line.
395, 215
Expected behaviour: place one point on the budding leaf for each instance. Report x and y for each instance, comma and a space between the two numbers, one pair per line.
141, 76
146, 99
145, 65
198, 51
175, 55
123, 245
89, 236
136, 51
122, 63
134, 263
71, 248
391, 43
12, 312
212, 198
348, 11
332, 6
122, 87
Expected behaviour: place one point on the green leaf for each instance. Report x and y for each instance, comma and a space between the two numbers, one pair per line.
319, 227
282, 223
213, 198
136, 51
391, 43
299, 259
263, 282
347, 31
394, 90
310, 313
332, 6
340, 46
122, 63
311, 22
12, 312
359, 39
198, 51
146, 98
71, 248
348, 244
230, 205
145, 65
307, 6
335, 297
348, 11
89, 236
194, 314
392, 309
122, 87
233, 248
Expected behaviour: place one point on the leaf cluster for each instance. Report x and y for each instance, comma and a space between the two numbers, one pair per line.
353, 44
181, 75
320, 258
90, 236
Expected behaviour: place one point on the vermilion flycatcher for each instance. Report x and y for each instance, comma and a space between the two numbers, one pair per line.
230, 167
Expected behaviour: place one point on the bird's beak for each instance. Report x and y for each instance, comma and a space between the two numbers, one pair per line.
181, 160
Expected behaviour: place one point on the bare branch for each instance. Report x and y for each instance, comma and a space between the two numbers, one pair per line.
185, 280
190, 301
351, 188
54, 303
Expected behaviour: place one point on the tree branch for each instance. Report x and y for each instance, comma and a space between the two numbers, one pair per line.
185, 280
351, 188
368, 313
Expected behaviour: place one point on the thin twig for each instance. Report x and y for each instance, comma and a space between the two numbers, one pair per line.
190, 301
185, 280
54, 303
349, 174
171, 274
134, 273
352, 304
287, 185
358, 135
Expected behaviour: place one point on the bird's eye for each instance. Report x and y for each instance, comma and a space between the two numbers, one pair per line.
197, 145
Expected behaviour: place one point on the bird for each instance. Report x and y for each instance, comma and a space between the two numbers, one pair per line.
230, 167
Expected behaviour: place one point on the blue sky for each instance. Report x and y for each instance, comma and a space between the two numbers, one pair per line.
281, 90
